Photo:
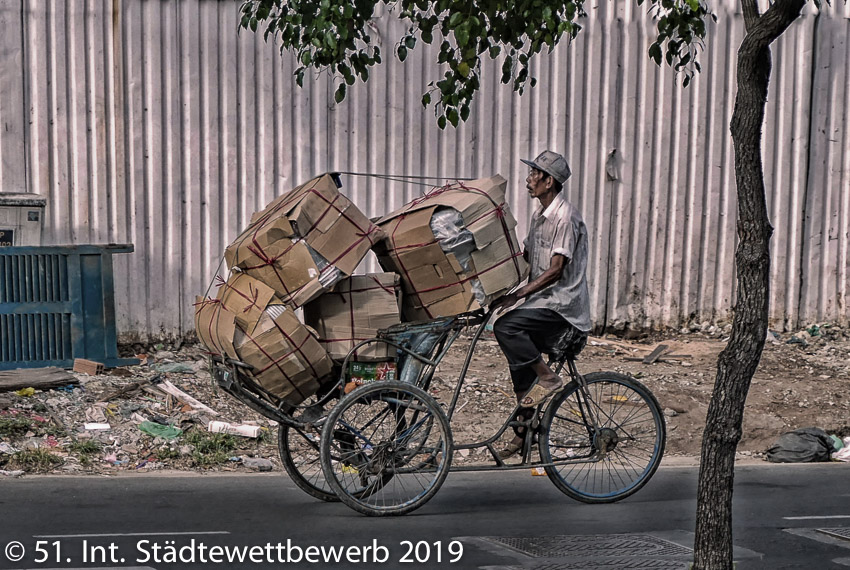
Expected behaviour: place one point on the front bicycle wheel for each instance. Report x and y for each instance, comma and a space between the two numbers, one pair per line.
612, 436
299, 453
386, 448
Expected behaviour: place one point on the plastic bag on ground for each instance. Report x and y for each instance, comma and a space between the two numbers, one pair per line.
804, 445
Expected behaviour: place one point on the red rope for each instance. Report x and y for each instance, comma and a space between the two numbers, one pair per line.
256, 249
498, 210
394, 252
255, 295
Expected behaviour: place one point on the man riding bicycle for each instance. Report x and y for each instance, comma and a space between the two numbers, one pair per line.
555, 302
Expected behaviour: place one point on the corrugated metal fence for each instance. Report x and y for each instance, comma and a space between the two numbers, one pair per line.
154, 122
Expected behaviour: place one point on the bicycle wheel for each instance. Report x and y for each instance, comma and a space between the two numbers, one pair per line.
618, 456
386, 448
299, 453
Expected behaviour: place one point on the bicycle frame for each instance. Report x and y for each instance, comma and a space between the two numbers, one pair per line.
531, 425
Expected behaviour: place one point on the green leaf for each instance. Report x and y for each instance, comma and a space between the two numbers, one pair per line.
410, 42
494, 52
463, 68
426, 99
402, 53
306, 58
340, 93
441, 122
464, 113
655, 53
453, 116
462, 35
427, 36
455, 19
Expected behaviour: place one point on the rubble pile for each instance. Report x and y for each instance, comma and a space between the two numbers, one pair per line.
149, 417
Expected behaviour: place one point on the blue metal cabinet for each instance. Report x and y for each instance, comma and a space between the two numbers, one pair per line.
56, 304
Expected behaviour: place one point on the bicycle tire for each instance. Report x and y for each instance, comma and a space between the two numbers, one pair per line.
301, 458
615, 460
402, 454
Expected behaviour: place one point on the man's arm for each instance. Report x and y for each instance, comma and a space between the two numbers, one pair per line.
548, 277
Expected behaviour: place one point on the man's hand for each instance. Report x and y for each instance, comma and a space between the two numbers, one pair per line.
504, 301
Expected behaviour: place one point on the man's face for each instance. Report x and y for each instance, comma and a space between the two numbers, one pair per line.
538, 183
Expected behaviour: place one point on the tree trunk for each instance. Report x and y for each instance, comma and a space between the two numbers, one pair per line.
738, 362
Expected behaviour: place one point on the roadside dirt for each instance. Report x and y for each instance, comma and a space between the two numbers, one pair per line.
801, 381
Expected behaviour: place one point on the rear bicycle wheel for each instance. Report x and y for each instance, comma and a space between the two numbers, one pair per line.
299, 453
614, 438
386, 448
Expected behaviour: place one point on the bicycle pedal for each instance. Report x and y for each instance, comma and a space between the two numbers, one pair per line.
537, 471
350, 470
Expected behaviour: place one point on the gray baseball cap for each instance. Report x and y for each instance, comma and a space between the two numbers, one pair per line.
552, 164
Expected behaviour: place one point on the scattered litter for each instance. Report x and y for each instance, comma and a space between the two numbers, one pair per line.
258, 463
804, 445
6, 448
796, 340
25, 392
170, 388
843, 454
174, 367
159, 430
243, 430
15, 473
96, 426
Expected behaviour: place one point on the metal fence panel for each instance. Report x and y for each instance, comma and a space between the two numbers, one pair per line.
156, 123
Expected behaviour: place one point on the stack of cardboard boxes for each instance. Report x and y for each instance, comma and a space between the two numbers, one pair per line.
448, 274
450, 251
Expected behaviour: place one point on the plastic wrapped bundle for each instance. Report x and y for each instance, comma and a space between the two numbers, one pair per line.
444, 273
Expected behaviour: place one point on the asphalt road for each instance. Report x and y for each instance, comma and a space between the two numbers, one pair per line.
785, 517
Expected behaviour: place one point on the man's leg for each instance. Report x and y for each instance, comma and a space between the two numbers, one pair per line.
516, 332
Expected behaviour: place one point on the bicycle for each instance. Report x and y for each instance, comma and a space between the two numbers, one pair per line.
386, 447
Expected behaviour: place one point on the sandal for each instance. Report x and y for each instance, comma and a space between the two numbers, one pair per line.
538, 394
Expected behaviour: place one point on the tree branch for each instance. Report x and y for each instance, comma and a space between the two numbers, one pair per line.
751, 13
774, 22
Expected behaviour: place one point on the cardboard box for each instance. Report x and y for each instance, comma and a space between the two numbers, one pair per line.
215, 327
304, 241
246, 298
356, 309
434, 282
288, 360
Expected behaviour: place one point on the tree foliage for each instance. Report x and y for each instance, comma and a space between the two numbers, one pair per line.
337, 36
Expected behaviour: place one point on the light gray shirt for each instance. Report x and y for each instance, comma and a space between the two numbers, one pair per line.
559, 229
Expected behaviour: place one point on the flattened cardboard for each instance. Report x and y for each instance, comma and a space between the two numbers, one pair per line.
288, 360
353, 312
271, 251
434, 283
